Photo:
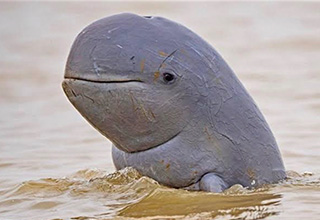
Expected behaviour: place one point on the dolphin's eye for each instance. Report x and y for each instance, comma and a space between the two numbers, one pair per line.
168, 77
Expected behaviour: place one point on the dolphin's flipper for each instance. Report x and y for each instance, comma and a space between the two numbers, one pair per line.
212, 183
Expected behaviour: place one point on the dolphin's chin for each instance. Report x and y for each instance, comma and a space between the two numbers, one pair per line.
137, 150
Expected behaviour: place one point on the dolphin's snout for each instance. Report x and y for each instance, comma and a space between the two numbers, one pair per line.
67, 89
72, 92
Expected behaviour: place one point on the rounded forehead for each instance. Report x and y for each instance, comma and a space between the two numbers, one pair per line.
131, 27
137, 34
117, 41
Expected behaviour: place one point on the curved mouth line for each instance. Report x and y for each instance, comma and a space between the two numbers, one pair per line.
105, 81
155, 146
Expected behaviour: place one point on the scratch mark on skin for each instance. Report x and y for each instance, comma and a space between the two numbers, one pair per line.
123, 133
152, 114
156, 75
109, 31
251, 173
148, 114
132, 59
207, 133
142, 65
73, 93
219, 108
164, 104
145, 113
165, 59
152, 52
89, 98
163, 65
227, 99
111, 93
163, 54
221, 103
135, 108
96, 67
206, 60
227, 137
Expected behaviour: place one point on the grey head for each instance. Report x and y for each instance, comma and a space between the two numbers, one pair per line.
145, 81
127, 75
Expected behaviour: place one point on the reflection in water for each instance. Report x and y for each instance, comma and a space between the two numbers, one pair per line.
165, 202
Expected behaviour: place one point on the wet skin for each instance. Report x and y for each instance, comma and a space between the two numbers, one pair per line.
171, 106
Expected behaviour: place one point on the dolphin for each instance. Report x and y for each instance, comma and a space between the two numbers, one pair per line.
172, 107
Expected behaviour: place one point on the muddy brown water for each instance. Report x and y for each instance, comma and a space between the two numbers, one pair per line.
53, 165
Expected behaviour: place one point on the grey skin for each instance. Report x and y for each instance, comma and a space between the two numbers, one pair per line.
171, 106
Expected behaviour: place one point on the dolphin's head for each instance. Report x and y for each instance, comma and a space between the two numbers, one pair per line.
134, 79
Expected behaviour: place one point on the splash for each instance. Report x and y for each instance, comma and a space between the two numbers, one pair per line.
125, 194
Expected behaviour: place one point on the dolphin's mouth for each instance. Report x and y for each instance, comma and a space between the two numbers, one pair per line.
103, 81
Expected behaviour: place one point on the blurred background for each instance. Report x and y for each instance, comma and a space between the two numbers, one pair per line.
274, 48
